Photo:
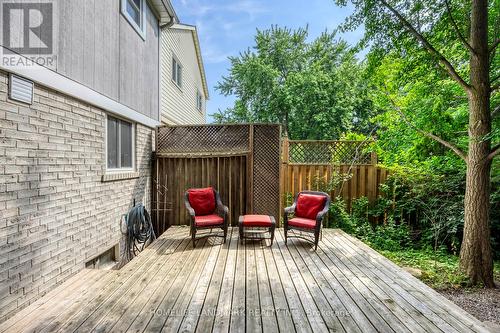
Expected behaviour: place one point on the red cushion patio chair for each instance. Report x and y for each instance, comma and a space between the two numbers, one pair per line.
206, 211
309, 209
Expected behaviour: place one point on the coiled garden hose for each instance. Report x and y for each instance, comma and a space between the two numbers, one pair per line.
138, 230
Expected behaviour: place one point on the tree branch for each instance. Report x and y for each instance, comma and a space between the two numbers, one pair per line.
449, 67
495, 78
494, 45
455, 25
495, 112
494, 152
445, 143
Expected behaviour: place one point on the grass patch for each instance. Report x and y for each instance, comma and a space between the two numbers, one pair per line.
439, 270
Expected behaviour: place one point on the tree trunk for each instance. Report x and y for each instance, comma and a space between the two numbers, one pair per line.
475, 255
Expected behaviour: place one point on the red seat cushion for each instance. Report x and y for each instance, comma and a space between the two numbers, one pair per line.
202, 200
300, 222
309, 205
208, 220
257, 221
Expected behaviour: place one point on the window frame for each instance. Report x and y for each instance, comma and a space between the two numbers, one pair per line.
199, 101
175, 77
140, 29
133, 128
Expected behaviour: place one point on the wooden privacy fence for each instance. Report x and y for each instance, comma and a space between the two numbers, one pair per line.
241, 161
350, 166
254, 170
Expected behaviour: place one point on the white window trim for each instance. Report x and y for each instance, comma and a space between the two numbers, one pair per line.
119, 170
141, 30
174, 58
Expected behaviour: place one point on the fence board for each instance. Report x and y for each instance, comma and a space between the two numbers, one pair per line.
312, 165
364, 181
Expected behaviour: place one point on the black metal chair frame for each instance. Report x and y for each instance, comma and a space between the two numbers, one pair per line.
220, 210
319, 219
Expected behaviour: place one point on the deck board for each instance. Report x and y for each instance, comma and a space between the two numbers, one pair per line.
344, 286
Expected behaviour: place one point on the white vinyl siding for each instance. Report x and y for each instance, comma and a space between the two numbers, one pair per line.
180, 106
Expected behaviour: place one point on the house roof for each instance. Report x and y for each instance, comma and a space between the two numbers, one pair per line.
165, 11
196, 40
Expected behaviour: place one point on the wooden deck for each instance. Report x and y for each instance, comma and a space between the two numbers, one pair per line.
171, 287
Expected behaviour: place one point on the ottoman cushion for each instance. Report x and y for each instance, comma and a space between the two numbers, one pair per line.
256, 221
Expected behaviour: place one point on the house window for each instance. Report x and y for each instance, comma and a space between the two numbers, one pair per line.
135, 13
199, 101
176, 72
120, 145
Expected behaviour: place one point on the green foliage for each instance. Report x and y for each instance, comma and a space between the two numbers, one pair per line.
390, 237
338, 217
387, 237
439, 269
316, 90
396, 240
414, 94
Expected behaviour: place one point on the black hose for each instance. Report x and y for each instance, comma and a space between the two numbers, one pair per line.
140, 232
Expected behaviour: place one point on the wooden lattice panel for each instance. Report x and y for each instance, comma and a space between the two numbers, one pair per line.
266, 170
203, 139
329, 152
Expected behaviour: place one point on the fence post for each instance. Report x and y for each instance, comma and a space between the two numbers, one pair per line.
285, 150
374, 158
373, 176
284, 174
250, 170
154, 189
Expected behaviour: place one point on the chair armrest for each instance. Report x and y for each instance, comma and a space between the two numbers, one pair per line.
191, 211
291, 209
221, 208
324, 211
188, 205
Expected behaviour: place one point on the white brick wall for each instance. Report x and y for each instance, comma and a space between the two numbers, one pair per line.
55, 211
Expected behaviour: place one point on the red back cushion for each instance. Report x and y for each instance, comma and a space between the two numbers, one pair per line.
202, 200
309, 205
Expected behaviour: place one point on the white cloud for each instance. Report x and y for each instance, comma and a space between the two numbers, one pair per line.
248, 7
251, 8
214, 56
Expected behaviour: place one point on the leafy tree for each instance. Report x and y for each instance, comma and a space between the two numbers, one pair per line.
316, 89
430, 39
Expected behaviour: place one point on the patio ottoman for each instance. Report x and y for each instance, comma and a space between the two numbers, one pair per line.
255, 226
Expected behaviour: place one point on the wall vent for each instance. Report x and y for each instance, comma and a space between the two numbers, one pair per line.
20, 89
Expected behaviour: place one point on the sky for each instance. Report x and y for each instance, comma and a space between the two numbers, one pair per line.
227, 27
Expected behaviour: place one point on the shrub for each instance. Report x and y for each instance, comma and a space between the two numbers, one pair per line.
389, 237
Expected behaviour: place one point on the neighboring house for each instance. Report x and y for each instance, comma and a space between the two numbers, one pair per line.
76, 135
183, 83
